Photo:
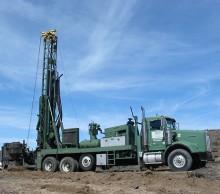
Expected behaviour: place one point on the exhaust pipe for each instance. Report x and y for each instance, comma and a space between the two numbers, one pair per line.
144, 131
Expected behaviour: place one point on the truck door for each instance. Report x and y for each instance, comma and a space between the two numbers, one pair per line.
156, 136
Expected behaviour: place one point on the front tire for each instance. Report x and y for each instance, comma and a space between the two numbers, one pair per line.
50, 164
87, 162
180, 160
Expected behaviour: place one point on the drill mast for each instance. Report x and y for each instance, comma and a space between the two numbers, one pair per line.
50, 108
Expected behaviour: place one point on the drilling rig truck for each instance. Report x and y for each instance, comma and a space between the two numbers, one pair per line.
158, 142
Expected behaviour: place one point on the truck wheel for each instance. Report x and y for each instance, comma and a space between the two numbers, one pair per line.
87, 162
180, 160
68, 164
50, 164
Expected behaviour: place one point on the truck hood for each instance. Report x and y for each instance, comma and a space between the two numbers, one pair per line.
193, 138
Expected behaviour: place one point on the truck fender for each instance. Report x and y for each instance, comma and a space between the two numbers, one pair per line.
174, 147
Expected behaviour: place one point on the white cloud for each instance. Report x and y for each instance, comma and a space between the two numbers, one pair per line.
105, 36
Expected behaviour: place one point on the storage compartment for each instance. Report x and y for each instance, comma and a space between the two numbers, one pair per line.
101, 159
113, 141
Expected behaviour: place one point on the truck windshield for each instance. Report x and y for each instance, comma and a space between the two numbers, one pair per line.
171, 124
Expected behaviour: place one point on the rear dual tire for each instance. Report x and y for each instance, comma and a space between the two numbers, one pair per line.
50, 164
68, 164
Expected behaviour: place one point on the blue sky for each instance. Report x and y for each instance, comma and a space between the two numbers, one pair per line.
163, 55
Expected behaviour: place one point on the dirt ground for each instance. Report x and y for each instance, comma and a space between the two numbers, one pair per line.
20, 181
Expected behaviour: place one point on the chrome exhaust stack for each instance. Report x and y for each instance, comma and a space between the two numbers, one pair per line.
144, 130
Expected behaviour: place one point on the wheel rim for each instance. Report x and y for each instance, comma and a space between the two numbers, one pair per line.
86, 161
66, 166
179, 161
48, 166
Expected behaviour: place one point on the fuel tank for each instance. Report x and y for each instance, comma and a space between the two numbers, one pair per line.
89, 143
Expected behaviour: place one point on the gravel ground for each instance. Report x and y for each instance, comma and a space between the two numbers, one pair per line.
21, 181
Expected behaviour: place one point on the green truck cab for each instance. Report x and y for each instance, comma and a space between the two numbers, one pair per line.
180, 149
